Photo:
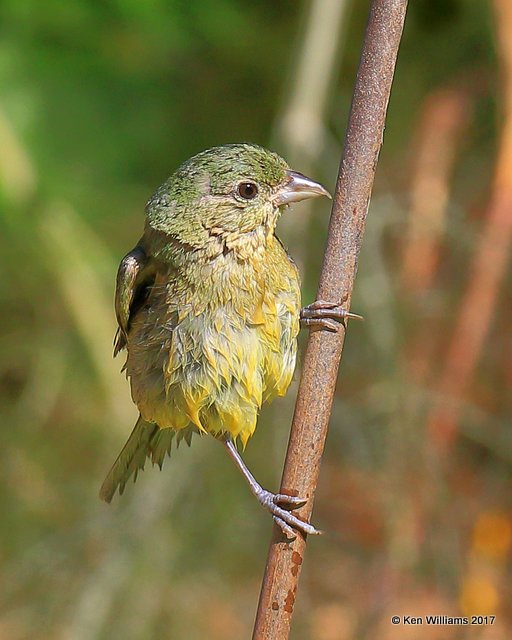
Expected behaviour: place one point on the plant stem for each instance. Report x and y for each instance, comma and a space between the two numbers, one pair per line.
323, 353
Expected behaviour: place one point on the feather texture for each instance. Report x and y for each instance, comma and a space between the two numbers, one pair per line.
146, 440
208, 305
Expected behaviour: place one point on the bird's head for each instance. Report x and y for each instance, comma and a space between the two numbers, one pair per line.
226, 192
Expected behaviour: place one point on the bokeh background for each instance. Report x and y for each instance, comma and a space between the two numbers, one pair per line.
99, 102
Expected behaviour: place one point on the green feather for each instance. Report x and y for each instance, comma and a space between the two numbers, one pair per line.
146, 440
207, 304
130, 461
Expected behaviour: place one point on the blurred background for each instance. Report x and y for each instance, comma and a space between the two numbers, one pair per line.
99, 103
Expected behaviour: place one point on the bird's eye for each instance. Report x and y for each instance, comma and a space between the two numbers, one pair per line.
247, 190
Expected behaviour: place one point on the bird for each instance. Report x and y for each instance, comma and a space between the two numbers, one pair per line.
208, 308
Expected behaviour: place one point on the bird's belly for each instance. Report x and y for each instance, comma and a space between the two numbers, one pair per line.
212, 370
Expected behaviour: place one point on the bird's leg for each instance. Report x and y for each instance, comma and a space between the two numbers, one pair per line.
325, 315
279, 504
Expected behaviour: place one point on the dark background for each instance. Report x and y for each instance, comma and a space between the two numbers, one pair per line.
99, 103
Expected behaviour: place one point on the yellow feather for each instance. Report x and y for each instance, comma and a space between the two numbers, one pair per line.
206, 358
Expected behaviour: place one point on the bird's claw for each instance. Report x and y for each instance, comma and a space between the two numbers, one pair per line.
325, 315
280, 505
288, 502
288, 531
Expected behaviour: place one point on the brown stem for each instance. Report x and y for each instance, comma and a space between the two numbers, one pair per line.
444, 119
441, 128
487, 271
323, 353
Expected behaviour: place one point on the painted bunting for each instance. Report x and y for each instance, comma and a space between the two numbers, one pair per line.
208, 308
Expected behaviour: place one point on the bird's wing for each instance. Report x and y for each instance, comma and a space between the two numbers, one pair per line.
134, 277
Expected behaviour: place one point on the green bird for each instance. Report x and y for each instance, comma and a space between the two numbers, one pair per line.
208, 308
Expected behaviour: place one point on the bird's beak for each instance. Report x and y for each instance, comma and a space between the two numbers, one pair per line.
297, 187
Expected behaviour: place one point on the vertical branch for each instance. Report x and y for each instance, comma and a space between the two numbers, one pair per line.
439, 134
17, 174
487, 270
444, 120
323, 352
300, 126
301, 123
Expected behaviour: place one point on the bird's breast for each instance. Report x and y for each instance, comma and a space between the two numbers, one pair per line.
213, 343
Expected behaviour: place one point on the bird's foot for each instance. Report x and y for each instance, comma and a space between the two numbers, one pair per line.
280, 505
325, 315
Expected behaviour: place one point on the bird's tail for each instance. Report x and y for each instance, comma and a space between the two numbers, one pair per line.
146, 440
130, 461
